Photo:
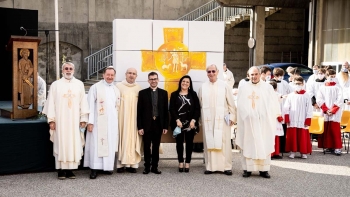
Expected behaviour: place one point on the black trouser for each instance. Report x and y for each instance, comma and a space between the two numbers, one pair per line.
283, 139
153, 137
188, 136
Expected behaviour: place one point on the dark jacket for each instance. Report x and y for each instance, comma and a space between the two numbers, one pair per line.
145, 108
175, 104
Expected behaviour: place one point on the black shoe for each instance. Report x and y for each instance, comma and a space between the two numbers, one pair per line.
121, 170
61, 174
265, 174
246, 174
187, 170
208, 172
276, 157
70, 174
228, 172
156, 171
93, 174
131, 170
146, 171
107, 172
181, 169
329, 150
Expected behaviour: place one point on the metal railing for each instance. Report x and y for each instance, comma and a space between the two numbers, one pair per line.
99, 60
212, 11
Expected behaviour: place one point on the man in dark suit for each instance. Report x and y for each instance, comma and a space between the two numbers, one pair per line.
152, 121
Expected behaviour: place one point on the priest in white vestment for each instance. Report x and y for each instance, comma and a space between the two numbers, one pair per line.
102, 137
67, 112
129, 155
218, 115
228, 77
256, 124
41, 93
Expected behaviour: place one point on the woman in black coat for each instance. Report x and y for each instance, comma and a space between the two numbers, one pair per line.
185, 111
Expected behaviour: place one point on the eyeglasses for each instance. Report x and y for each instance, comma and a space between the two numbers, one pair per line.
211, 71
154, 79
66, 68
298, 84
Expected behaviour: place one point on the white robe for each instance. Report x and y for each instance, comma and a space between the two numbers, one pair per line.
330, 95
91, 158
229, 78
218, 160
256, 125
67, 106
299, 108
345, 89
41, 92
283, 88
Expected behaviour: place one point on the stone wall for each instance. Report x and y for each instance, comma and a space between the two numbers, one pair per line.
284, 32
87, 24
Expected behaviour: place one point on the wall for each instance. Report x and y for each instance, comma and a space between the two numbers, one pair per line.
284, 32
87, 24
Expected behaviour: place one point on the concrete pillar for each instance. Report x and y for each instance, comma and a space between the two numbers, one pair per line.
258, 32
318, 37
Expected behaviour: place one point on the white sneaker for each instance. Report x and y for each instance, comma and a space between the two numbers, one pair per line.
303, 156
292, 155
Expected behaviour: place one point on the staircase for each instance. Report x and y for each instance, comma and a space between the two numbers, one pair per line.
210, 11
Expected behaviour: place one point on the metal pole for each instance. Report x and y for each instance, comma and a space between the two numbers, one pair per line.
57, 42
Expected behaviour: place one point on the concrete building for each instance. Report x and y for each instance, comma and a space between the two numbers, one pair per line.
285, 35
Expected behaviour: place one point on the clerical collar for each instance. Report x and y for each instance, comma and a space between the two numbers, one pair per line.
321, 80
330, 83
155, 89
68, 80
300, 92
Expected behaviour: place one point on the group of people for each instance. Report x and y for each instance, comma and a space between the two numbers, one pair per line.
123, 122
326, 93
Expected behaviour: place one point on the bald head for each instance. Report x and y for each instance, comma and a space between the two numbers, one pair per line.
130, 75
254, 74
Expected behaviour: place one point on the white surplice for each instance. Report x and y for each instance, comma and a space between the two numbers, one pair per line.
109, 109
299, 108
67, 106
256, 125
284, 89
229, 78
330, 96
216, 132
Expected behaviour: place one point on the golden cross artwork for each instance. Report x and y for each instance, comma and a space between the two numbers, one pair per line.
172, 59
69, 96
253, 97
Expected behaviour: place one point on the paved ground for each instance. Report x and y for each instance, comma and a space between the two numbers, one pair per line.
319, 175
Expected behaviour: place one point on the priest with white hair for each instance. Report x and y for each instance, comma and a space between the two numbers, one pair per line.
218, 115
67, 112
256, 124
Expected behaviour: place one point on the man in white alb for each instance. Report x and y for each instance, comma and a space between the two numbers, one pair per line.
102, 136
218, 115
67, 112
129, 154
228, 77
256, 124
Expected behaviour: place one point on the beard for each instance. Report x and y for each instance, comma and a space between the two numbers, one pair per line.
67, 76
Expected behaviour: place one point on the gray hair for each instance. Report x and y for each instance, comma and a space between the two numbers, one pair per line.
212, 65
69, 63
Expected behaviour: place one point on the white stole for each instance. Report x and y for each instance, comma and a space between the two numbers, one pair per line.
213, 128
102, 118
